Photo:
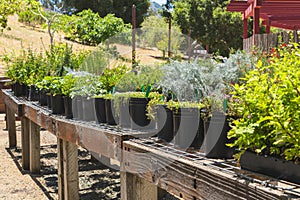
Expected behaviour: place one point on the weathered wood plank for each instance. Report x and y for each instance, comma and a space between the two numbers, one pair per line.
189, 179
15, 104
25, 137
70, 167
11, 123
35, 165
60, 157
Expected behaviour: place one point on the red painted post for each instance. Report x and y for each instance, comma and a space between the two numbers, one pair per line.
245, 30
256, 21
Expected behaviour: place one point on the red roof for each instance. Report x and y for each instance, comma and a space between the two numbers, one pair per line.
282, 14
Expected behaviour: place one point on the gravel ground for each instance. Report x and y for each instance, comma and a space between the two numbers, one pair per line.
96, 181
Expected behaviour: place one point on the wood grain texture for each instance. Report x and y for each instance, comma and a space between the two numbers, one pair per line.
70, 171
25, 137
11, 123
12, 102
35, 164
60, 169
189, 179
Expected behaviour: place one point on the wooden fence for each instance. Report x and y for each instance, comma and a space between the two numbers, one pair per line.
265, 42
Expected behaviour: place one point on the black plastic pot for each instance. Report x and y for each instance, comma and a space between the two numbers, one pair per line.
110, 120
271, 166
68, 107
100, 110
88, 106
188, 128
57, 104
216, 137
139, 119
33, 94
42, 98
165, 123
19, 89
49, 102
124, 119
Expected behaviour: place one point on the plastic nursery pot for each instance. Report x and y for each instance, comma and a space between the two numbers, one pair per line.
77, 108
271, 166
88, 109
49, 102
33, 94
139, 119
124, 113
165, 123
100, 110
19, 89
216, 137
68, 107
57, 104
188, 128
110, 120
42, 98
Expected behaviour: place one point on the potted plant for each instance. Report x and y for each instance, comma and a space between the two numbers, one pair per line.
109, 78
134, 88
267, 130
68, 83
83, 93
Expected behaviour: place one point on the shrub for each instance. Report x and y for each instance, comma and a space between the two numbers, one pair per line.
268, 104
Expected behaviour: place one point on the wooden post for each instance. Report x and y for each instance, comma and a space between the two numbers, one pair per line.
35, 164
25, 143
256, 21
245, 30
133, 36
135, 188
11, 123
169, 37
68, 182
60, 169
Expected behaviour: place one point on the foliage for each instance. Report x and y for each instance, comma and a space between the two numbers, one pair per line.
27, 68
140, 79
68, 83
98, 60
185, 81
155, 34
110, 77
81, 88
28, 14
210, 24
268, 106
7, 7
51, 84
121, 8
89, 28
61, 57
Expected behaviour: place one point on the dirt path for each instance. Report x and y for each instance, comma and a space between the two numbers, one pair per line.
14, 184
96, 181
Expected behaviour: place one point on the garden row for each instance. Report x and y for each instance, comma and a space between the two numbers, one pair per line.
191, 104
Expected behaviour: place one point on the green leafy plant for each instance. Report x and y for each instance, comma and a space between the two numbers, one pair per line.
267, 103
87, 86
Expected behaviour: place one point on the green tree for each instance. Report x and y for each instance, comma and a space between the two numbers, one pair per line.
8, 7
155, 34
210, 24
121, 8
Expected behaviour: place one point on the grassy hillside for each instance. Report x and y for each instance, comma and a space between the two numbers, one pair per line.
19, 36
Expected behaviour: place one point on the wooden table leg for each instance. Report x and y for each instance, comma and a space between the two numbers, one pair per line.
68, 181
25, 137
35, 164
11, 123
135, 188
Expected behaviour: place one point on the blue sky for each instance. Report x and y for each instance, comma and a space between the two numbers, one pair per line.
160, 1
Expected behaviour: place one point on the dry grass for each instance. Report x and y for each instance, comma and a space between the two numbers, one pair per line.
20, 37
